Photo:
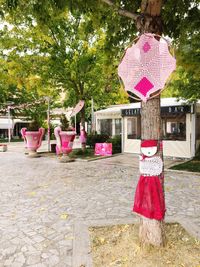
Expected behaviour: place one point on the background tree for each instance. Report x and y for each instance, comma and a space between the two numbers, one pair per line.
19, 80
186, 82
62, 50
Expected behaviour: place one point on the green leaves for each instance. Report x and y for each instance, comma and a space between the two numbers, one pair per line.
75, 46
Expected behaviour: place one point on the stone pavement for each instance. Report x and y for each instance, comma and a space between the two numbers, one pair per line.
46, 206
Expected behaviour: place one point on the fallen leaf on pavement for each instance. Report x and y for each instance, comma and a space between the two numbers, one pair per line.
32, 193
64, 216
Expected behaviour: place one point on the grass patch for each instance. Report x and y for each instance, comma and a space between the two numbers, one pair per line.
75, 154
118, 246
12, 140
192, 166
79, 153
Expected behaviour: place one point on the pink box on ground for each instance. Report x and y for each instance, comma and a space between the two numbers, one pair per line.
103, 149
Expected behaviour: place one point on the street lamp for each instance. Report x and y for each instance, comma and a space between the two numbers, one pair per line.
9, 118
92, 116
48, 99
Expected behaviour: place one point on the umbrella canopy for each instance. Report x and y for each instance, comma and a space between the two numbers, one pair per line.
146, 66
77, 108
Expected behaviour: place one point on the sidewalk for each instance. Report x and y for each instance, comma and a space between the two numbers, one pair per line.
19, 146
125, 159
46, 206
132, 160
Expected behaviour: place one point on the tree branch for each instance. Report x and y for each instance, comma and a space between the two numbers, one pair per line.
144, 5
121, 11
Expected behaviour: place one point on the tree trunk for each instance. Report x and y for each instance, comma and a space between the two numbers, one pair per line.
151, 231
83, 117
83, 145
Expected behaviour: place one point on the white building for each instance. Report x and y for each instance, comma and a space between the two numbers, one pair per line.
14, 125
180, 126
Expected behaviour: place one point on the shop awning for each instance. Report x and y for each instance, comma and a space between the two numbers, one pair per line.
5, 124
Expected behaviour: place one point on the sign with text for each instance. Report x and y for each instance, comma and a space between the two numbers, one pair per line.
164, 110
103, 149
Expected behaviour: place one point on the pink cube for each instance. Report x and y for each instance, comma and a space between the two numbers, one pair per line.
103, 149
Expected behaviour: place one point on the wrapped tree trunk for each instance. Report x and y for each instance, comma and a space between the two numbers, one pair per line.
82, 130
151, 230
150, 188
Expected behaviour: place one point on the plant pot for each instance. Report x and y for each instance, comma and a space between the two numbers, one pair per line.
33, 140
64, 143
3, 148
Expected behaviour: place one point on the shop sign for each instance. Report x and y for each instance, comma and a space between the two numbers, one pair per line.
176, 109
164, 110
130, 112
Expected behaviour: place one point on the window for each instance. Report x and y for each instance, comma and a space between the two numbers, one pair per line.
106, 127
118, 126
134, 127
3, 133
174, 127
198, 127
17, 128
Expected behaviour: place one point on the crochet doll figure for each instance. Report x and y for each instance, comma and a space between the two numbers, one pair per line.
149, 196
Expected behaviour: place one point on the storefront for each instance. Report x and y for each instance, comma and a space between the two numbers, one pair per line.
12, 125
180, 126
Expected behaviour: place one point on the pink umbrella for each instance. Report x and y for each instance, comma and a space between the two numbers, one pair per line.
77, 108
146, 66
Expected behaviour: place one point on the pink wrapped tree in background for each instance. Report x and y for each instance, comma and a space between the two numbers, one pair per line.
83, 138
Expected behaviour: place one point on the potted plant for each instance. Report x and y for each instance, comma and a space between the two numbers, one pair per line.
65, 136
33, 138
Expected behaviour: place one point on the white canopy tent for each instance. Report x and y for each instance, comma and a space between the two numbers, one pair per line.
6, 123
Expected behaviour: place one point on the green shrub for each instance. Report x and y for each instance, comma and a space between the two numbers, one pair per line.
116, 144
92, 139
197, 155
34, 125
80, 152
64, 122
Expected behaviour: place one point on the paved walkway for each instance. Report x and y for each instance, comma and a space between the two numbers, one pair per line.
45, 205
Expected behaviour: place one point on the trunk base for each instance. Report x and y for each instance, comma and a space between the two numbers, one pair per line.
152, 232
65, 158
83, 147
33, 154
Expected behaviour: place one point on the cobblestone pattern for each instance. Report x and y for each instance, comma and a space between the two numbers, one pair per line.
41, 199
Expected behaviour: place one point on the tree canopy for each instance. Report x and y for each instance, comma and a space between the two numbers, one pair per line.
61, 51
75, 46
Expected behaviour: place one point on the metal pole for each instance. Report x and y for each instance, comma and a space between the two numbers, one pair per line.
48, 125
92, 115
75, 122
9, 130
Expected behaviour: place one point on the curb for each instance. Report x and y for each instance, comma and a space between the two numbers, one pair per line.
181, 171
98, 158
104, 157
81, 255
